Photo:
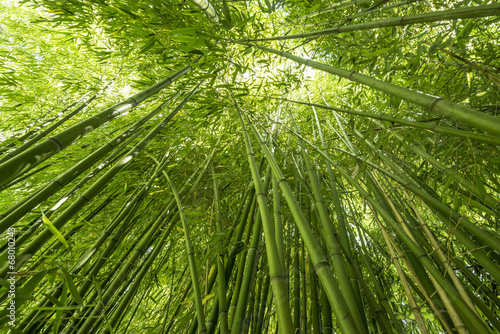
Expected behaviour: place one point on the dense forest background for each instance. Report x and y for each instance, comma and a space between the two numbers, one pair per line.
249, 166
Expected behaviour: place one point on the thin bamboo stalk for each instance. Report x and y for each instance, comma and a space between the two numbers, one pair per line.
192, 264
361, 14
332, 9
437, 16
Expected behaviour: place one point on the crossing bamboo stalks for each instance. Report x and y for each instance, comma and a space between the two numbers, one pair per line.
447, 286
16, 212
65, 197
51, 128
132, 289
28, 159
411, 300
138, 250
459, 179
493, 140
443, 211
488, 123
343, 234
98, 186
442, 257
445, 15
143, 243
276, 269
321, 265
333, 245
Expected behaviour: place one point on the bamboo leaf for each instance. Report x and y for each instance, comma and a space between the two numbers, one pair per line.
54, 231
72, 288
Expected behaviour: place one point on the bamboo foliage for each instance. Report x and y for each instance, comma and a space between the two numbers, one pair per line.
235, 201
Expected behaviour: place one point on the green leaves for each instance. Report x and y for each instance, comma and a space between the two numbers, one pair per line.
54, 231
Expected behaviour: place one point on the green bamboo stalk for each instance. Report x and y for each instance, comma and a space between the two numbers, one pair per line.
303, 292
28, 159
247, 276
488, 123
437, 16
263, 305
206, 7
445, 212
51, 128
459, 179
320, 262
296, 289
315, 305
132, 289
326, 314
383, 300
250, 226
130, 263
344, 237
334, 249
419, 253
64, 198
411, 300
442, 257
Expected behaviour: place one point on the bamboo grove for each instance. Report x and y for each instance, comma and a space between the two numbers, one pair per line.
275, 166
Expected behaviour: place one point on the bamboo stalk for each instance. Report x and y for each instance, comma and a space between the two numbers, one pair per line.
493, 140
15, 213
221, 278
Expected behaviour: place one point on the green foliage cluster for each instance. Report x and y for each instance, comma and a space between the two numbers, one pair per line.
362, 211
